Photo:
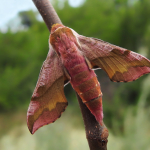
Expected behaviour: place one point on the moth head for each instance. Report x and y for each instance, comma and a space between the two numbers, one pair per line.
56, 26
62, 38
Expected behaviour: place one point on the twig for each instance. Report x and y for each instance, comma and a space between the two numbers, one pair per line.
96, 134
47, 12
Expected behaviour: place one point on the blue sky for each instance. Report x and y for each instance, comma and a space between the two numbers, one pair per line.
10, 8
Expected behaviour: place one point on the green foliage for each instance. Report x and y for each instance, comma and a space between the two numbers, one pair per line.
136, 124
28, 18
21, 57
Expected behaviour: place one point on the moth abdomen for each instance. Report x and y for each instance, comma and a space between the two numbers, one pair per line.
96, 108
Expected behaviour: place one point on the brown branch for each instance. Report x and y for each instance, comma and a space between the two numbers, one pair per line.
96, 135
47, 12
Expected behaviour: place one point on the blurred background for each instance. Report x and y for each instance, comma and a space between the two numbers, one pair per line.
23, 48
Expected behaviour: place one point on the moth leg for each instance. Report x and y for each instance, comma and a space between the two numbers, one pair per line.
88, 63
67, 74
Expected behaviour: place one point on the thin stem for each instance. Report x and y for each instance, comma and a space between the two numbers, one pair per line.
47, 12
95, 133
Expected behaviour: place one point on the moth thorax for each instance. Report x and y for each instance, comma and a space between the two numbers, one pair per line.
56, 26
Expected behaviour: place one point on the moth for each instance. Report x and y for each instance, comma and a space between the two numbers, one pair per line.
73, 58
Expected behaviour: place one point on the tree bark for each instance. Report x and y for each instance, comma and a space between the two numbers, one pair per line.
47, 12
96, 134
